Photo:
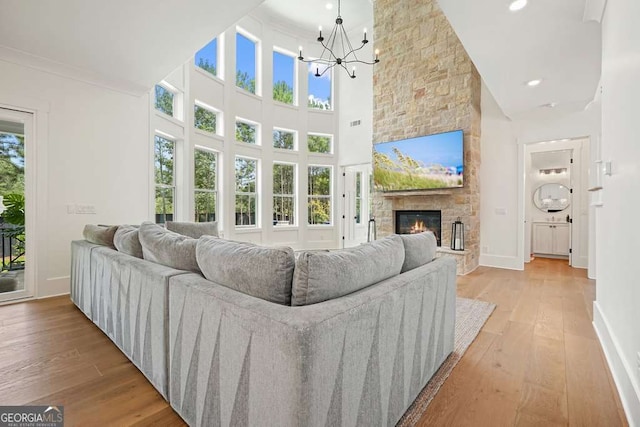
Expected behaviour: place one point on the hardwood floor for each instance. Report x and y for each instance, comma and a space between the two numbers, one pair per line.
536, 361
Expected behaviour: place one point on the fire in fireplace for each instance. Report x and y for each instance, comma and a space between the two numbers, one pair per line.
412, 222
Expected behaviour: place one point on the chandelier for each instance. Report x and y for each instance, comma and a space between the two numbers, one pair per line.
337, 50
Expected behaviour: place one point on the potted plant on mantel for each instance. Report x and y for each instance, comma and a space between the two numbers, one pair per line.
13, 215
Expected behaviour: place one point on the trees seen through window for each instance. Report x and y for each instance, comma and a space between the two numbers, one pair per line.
319, 195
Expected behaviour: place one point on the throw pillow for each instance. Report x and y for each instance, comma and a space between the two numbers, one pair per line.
193, 229
419, 249
99, 234
126, 240
262, 272
321, 276
165, 247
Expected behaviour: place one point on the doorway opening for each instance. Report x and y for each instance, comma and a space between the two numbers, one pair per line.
556, 203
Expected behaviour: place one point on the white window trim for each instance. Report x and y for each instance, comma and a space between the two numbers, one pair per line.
295, 139
258, 60
296, 83
219, 118
251, 123
331, 143
215, 190
156, 186
254, 194
296, 216
330, 196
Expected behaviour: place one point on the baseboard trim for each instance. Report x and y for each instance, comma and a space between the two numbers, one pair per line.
500, 261
628, 389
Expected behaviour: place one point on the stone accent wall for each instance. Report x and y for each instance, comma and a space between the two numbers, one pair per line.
426, 83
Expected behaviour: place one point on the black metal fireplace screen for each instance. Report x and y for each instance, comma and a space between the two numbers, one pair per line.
412, 222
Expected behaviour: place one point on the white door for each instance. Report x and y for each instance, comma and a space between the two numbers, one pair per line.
16, 241
355, 215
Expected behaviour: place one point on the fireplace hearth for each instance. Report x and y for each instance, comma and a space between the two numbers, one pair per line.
413, 222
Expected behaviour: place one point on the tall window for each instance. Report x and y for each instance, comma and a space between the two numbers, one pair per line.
319, 88
245, 63
164, 100
284, 176
205, 119
207, 58
319, 143
246, 132
285, 139
358, 197
205, 185
319, 195
246, 192
283, 78
164, 178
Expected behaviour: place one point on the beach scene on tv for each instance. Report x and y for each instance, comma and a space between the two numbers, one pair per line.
422, 163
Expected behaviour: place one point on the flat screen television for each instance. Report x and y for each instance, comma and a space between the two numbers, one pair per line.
421, 163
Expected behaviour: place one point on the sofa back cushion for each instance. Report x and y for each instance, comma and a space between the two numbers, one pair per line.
321, 276
194, 230
419, 249
126, 240
165, 247
99, 234
262, 272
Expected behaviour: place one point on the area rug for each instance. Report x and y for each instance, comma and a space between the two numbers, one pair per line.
470, 317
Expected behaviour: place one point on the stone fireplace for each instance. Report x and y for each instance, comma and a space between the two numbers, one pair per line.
427, 84
413, 222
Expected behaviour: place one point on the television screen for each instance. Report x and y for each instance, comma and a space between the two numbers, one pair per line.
422, 163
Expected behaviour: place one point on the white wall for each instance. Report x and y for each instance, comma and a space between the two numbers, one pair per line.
498, 187
616, 310
96, 152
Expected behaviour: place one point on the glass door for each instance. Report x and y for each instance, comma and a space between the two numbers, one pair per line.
15, 131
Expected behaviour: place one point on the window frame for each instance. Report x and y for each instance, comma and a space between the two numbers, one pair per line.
253, 194
258, 141
293, 196
219, 59
295, 139
258, 61
331, 143
174, 94
294, 73
331, 91
215, 190
329, 197
219, 118
157, 185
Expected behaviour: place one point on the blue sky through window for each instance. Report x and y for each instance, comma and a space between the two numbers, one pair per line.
208, 55
282, 68
245, 55
319, 87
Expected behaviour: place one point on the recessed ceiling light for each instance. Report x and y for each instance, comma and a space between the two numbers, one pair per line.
329, 6
517, 5
535, 82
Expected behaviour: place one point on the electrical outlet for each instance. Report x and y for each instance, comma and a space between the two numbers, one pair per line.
86, 209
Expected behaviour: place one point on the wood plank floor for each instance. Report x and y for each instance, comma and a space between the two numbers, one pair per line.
536, 362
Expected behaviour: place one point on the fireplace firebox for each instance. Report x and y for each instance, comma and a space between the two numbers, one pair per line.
412, 222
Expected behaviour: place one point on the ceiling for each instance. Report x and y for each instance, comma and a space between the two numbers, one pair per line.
123, 44
307, 15
548, 40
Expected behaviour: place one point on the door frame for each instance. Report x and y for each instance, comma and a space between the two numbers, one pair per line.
28, 121
579, 145
346, 203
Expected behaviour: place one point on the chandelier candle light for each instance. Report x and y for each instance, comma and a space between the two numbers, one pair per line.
338, 50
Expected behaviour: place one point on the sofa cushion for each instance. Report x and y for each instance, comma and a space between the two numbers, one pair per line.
126, 240
165, 247
321, 276
99, 234
193, 229
419, 249
262, 272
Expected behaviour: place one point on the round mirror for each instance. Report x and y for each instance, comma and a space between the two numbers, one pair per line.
551, 197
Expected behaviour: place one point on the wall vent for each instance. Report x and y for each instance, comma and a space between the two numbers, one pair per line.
355, 123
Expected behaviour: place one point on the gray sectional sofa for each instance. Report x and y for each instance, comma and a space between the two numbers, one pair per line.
328, 348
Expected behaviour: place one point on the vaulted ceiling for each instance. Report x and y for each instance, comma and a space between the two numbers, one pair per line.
131, 45
124, 44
